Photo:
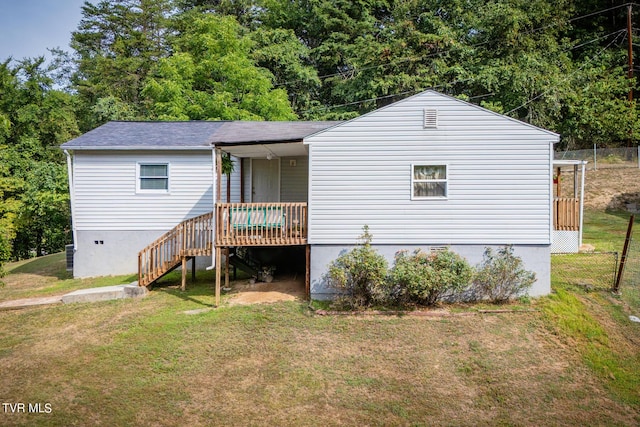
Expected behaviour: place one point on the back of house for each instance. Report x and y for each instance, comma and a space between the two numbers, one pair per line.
427, 172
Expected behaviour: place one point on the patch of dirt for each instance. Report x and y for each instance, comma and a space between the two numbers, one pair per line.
281, 289
606, 188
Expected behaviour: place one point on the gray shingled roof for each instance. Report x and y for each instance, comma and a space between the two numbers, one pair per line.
237, 132
191, 135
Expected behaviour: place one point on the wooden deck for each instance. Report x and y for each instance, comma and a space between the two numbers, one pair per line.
566, 214
239, 224
261, 224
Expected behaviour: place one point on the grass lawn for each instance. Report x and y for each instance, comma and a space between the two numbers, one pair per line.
569, 359
47, 276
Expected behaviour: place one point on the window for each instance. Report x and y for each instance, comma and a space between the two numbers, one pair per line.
429, 181
153, 177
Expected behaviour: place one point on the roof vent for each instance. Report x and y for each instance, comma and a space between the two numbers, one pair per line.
430, 118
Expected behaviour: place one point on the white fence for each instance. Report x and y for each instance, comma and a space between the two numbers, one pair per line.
603, 158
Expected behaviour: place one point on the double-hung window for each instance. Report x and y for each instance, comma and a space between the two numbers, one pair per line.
153, 177
429, 181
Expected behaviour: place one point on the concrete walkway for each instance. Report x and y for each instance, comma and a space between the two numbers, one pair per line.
131, 290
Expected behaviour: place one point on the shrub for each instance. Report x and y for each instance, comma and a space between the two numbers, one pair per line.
501, 276
359, 275
425, 278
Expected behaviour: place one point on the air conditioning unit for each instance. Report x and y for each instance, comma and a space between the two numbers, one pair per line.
68, 249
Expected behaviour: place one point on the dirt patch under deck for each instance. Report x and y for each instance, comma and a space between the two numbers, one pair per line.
281, 289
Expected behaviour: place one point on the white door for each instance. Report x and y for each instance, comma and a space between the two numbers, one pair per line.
265, 180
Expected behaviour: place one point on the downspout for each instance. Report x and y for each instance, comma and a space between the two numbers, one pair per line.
584, 165
213, 199
72, 200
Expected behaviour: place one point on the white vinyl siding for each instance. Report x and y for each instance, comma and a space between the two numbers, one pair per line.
106, 196
498, 172
294, 182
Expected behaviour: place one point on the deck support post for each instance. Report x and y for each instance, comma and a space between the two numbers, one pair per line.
193, 270
218, 271
226, 267
184, 274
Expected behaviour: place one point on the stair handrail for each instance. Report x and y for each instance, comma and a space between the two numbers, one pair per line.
191, 237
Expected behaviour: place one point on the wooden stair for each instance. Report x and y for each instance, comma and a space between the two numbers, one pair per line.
192, 237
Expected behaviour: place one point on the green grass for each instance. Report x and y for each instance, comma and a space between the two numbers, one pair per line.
597, 323
579, 319
47, 276
146, 362
606, 231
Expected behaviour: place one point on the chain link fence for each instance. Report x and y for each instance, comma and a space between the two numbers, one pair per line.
604, 158
587, 270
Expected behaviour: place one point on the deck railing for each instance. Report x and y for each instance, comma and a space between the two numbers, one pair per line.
261, 224
192, 237
566, 214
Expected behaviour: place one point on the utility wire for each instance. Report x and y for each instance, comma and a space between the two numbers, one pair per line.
352, 71
413, 91
570, 75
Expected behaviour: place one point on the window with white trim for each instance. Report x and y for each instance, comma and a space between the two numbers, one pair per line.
428, 181
153, 177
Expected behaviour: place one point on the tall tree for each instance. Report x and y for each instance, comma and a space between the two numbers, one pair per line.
117, 43
211, 75
34, 119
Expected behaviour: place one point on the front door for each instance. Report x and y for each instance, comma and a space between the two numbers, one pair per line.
265, 180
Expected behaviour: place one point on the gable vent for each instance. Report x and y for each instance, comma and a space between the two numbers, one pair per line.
430, 118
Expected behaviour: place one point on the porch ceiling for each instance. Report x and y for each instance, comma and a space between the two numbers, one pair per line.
285, 149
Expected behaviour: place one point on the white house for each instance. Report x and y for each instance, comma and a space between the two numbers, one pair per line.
428, 171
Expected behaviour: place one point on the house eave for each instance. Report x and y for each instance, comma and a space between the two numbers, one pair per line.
137, 148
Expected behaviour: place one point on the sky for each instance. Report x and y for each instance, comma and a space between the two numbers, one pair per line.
29, 27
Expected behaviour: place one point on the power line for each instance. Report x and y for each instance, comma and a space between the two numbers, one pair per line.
570, 75
413, 91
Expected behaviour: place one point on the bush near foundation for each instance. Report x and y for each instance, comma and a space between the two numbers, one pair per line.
425, 278
359, 276
501, 276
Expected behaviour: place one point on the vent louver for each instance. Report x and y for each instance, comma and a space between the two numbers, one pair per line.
430, 118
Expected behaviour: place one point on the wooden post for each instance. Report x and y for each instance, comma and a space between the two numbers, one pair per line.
218, 262
241, 181
193, 270
575, 181
140, 269
558, 185
625, 251
307, 276
218, 175
226, 267
229, 182
184, 273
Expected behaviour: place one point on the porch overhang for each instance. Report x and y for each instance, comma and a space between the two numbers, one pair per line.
273, 149
265, 139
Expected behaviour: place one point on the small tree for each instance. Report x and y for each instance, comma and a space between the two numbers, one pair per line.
227, 168
359, 275
501, 276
